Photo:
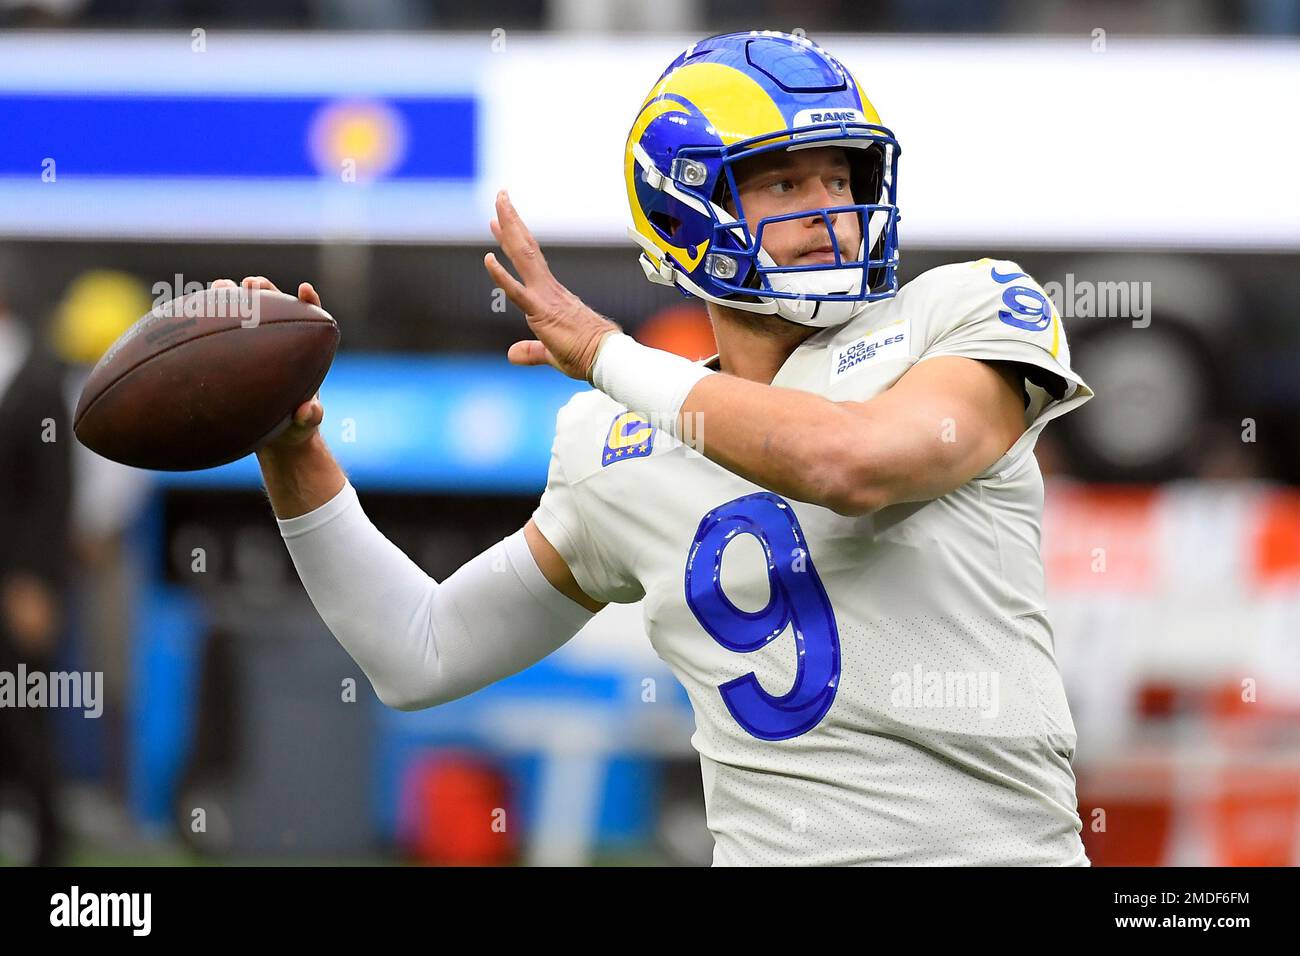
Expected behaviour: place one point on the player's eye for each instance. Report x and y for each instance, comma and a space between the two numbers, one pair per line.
840, 184
779, 184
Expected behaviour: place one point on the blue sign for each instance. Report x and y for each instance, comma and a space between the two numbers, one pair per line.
440, 423
237, 137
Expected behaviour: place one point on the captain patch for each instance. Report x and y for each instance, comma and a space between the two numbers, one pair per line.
630, 435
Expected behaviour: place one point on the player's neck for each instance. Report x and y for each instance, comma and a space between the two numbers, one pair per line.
752, 345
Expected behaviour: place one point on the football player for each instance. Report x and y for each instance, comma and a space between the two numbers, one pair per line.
833, 523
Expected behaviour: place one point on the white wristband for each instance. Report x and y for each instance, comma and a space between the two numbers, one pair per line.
650, 381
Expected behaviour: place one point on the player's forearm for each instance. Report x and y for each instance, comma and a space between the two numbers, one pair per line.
421, 642
371, 596
953, 419
300, 478
850, 457
795, 443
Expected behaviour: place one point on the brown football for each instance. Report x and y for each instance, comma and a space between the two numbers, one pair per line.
205, 379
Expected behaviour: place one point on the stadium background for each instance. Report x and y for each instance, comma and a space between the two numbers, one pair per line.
1133, 147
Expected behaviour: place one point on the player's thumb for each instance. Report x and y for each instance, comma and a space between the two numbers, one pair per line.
310, 413
530, 352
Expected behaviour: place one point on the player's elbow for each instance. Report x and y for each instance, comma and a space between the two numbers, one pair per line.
422, 691
856, 502
408, 698
852, 486
397, 700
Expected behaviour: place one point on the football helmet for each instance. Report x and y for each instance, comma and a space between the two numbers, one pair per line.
737, 95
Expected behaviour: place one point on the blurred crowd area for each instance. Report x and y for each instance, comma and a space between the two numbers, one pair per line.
1152, 17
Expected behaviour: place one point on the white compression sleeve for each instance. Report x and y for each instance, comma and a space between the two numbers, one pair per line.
419, 641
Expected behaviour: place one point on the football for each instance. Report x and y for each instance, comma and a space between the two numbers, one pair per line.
205, 379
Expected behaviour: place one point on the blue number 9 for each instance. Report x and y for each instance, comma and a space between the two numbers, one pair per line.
1037, 311
797, 599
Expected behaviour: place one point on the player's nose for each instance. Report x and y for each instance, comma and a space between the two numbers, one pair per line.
820, 221
822, 198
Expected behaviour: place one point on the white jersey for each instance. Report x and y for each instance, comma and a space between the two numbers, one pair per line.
878, 689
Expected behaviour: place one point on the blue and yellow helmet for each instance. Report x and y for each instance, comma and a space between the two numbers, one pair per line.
737, 95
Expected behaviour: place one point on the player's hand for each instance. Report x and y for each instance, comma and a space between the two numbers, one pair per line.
307, 419
308, 416
306, 291
568, 331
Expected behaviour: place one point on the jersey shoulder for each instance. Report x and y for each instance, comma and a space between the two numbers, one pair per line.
575, 517
948, 294
940, 300
990, 309
592, 431
583, 410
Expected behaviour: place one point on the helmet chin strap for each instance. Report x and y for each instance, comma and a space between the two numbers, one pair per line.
818, 313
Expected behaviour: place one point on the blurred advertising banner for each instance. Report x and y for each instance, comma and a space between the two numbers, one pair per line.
1050, 143
1177, 617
